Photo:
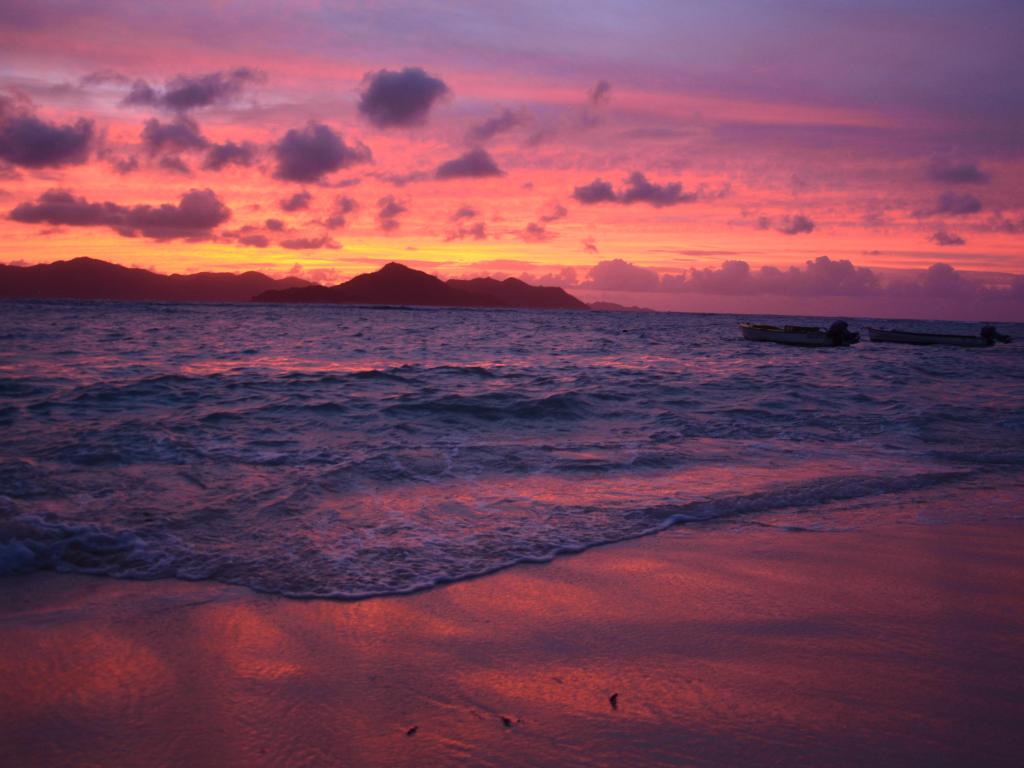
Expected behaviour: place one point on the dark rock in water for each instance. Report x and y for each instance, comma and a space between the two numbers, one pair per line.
412, 731
614, 700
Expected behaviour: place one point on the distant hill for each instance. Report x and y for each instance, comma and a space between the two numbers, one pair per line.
397, 284
611, 306
394, 284
515, 293
85, 278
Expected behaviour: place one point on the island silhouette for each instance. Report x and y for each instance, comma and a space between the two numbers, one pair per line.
397, 284
85, 278
394, 284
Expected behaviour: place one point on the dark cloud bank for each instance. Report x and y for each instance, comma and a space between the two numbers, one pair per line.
475, 164
187, 92
822, 277
182, 134
475, 231
229, 153
787, 225
504, 121
952, 204
388, 211
944, 238
307, 154
400, 99
535, 233
174, 164
194, 217
638, 189
309, 243
343, 206
298, 202
30, 142
946, 172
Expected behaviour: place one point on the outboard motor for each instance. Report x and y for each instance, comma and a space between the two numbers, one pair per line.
991, 335
839, 333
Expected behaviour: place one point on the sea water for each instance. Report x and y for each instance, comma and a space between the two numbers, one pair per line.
346, 451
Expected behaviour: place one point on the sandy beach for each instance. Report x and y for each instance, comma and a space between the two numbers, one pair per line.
727, 645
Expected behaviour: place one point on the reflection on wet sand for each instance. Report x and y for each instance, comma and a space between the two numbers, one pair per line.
893, 646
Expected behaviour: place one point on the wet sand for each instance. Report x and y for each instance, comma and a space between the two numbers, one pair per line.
727, 645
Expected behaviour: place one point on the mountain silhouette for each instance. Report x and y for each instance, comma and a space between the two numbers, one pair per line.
516, 293
393, 284
396, 284
85, 278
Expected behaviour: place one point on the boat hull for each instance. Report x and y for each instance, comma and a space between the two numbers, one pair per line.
926, 339
796, 336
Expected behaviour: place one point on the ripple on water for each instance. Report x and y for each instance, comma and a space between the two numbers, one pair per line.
342, 451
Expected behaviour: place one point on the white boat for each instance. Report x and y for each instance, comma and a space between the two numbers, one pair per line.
801, 335
986, 338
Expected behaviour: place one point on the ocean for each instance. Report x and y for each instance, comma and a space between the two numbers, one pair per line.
344, 452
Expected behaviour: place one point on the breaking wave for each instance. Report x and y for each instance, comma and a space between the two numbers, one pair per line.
344, 452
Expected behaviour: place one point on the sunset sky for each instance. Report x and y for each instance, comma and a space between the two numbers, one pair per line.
648, 152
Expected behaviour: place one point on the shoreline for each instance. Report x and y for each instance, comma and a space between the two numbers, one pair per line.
735, 644
822, 315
